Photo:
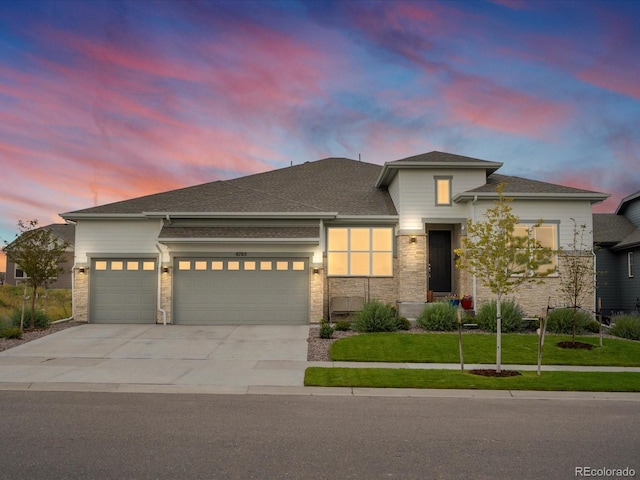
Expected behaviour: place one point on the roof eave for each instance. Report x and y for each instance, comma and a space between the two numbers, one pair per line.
243, 240
625, 201
279, 215
591, 197
101, 216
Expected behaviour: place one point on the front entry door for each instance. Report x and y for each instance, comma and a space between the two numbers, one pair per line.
440, 260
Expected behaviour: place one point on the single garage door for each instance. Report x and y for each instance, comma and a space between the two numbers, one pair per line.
219, 291
123, 290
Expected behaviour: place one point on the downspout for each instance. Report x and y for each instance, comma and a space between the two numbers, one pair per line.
160, 309
474, 279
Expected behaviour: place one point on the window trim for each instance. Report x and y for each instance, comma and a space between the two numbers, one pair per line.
370, 251
630, 264
449, 179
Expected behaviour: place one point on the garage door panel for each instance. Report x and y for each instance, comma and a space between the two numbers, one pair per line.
259, 291
123, 291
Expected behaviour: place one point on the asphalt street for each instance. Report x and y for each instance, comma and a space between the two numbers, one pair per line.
81, 435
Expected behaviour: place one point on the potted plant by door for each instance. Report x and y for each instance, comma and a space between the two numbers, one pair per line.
467, 302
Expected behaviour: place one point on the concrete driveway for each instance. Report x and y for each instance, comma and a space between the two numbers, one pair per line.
227, 358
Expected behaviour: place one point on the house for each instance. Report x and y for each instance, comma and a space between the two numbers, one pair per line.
617, 239
65, 233
276, 247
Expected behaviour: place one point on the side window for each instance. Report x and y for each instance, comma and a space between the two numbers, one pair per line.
443, 191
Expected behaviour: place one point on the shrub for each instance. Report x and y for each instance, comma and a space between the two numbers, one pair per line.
326, 330
375, 317
626, 326
560, 320
403, 324
342, 326
487, 317
439, 316
41, 319
13, 332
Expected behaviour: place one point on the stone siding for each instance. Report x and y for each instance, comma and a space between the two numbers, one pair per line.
411, 268
316, 300
532, 297
166, 285
81, 297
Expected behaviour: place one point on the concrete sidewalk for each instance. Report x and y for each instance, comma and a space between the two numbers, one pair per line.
220, 359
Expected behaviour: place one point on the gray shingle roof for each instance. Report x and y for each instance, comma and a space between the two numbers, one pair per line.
524, 185
330, 185
612, 229
219, 232
449, 158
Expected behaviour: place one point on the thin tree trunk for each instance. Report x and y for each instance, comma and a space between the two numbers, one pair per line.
499, 334
574, 323
33, 308
600, 317
460, 340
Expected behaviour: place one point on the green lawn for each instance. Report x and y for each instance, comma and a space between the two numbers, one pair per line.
409, 378
481, 348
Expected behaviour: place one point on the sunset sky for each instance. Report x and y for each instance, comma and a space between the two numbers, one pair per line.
103, 101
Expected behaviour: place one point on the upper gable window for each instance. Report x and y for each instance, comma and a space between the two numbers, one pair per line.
443, 191
360, 251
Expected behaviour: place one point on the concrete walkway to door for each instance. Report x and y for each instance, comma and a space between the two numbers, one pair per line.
227, 358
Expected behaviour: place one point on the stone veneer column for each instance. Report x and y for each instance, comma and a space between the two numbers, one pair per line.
81, 296
316, 301
165, 296
412, 268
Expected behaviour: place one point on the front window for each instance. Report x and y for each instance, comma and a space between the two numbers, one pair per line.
546, 235
360, 251
630, 264
443, 191
20, 273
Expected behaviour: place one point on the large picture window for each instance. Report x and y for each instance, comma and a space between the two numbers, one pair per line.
360, 251
546, 235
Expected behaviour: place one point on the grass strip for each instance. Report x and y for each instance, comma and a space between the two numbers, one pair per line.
481, 348
446, 379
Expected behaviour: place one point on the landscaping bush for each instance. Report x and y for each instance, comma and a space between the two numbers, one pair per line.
41, 319
626, 326
342, 326
326, 330
560, 320
439, 317
486, 316
375, 317
12, 332
403, 323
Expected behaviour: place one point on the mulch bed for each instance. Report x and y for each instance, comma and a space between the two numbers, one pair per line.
577, 345
33, 334
487, 372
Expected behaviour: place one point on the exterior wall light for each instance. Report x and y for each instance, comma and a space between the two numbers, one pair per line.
165, 269
413, 239
83, 269
316, 271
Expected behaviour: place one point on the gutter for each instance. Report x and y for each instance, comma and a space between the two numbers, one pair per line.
160, 309
474, 281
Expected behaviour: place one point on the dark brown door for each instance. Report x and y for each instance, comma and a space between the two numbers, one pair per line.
440, 260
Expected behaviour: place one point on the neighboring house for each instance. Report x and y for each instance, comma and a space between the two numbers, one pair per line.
66, 233
275, 247
617, 239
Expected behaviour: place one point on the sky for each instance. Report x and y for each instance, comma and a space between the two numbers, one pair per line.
104, 101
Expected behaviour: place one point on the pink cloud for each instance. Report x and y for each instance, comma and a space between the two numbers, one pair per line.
486, 104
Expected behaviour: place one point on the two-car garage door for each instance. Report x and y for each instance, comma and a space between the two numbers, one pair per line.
217, 291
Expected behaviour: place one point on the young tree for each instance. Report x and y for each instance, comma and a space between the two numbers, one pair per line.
39, 254
500, 259
577, 274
